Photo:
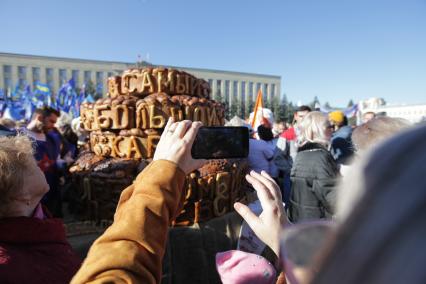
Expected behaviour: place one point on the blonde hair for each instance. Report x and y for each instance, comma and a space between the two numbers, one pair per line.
16, 154
313, 129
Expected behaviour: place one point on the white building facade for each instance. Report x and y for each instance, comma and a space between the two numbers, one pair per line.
54, 71
414, 112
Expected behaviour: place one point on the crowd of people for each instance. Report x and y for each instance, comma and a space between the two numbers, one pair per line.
55, 149
340, 204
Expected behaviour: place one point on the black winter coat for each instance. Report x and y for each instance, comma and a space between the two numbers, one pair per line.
313, 190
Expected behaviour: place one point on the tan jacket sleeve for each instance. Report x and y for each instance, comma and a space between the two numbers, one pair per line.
131, 249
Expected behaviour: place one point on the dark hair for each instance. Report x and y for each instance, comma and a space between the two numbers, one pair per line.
265, 133
46, 111
304, 108
383, 239
69, 134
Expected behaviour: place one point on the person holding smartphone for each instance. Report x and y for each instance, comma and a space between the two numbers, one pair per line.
132, 248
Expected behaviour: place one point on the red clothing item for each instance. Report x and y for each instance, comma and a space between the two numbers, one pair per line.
289, 134
35, 250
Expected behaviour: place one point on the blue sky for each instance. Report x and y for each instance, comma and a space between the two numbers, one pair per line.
334, 49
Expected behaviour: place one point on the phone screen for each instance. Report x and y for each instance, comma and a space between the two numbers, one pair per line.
221, 143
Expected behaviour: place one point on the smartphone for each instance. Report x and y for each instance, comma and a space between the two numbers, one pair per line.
221, 143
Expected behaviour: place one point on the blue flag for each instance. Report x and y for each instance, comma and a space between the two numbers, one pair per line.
28, 108
99, 88
2, 102
42, 88
26, 101
14, 110
80, 99
74, 108
66, 96
61, 96
25, 93
19, 106
41, 95
351, 111
17, 94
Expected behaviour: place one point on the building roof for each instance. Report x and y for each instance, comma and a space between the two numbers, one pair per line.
129, 64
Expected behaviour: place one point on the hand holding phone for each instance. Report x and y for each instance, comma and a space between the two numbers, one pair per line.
221, 143
175, 145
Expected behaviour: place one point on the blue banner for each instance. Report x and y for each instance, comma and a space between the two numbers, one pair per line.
19, 106
41, 95
42, 88
21, 103
351, 111
348, 112
66, 96
2, 102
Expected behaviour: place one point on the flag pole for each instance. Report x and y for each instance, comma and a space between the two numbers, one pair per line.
259, 103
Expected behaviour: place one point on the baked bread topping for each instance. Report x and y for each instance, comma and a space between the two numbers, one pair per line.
124, 129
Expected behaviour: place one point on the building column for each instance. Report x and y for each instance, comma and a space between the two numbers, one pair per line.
80, 78
69, 74
104, 82
253, 92
214, 88
56, 83
222, 88
239, 93
263, 89
268, 90
246, 90
231, 92
93, 77
66, 78
31, 76
42, 74
248, 97
13, 76
278, 90
26, 76
1, 77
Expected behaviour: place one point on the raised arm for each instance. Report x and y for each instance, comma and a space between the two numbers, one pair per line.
131, 250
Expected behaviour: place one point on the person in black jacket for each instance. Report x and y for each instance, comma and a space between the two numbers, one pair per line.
314, 172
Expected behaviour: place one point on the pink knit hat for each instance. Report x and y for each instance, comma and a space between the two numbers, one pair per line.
237, 267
